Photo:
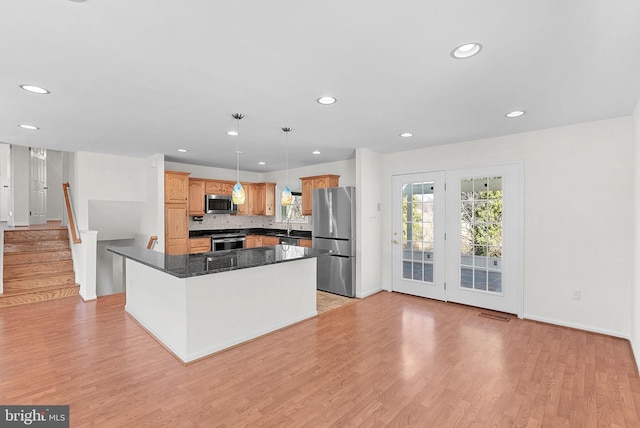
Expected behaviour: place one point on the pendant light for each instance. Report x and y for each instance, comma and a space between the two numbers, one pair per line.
286, 197
238, 195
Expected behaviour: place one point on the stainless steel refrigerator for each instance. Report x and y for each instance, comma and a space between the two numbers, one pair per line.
334, 228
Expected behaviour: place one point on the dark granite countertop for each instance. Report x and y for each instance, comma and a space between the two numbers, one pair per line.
188, 265
303, 234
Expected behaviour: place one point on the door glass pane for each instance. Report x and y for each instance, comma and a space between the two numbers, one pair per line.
481, 234
418, 231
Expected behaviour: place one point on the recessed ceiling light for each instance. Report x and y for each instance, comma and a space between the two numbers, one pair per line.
406, 134
315, 152
34, 89
28, 127
466, 51
182, 150
233, 133
262, 163
515, 113
327, 100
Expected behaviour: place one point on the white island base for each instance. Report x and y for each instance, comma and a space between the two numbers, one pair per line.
197, 316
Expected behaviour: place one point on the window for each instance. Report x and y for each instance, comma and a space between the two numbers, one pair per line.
291, 212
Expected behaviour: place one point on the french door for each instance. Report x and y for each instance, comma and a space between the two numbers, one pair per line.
38, 199
418, 234
463, 245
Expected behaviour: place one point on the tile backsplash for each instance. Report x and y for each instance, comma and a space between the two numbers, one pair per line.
227, 221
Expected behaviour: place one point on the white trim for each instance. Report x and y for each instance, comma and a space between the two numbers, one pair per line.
369, 293
580, 327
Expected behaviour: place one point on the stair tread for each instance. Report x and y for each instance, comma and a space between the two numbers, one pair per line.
37, 268
8, 291
20, 297
40, 281
14, 259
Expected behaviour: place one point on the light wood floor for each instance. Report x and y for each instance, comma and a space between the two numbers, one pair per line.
388, 360
328, 301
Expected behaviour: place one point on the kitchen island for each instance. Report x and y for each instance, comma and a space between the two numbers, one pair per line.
199, 304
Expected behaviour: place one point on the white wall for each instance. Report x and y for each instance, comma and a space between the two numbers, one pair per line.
198, 171
20, 164
635, 295
55, 196
345, 169
107, 178
578, 205
368, 222
5, 181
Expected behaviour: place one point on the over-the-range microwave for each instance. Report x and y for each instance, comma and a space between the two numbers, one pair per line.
219, 204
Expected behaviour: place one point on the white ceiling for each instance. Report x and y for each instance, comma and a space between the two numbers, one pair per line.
140, 77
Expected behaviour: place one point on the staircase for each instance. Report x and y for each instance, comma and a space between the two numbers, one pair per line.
37, 266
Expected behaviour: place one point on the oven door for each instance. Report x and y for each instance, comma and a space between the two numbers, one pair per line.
221, 244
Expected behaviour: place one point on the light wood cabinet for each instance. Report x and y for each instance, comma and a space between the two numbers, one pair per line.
269, 198
218, 187
176, 185
307, 243
176, 212
245, 209
260, 199
253, 241
199, 245
315, 182
176, 232
270, 240
196, 197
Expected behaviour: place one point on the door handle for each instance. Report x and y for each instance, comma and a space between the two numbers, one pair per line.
395, 242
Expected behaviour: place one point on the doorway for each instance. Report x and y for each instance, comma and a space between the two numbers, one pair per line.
457, 236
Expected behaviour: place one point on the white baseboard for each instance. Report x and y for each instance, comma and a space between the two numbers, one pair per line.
636, 355
579, 326
369, 293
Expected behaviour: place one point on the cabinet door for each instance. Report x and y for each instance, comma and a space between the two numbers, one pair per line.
307, 243
176, 187
250, 241
218, 187
270, 240
245, 209
176, 234
257, 205
199, 245
196, 197
270, 199
307, 185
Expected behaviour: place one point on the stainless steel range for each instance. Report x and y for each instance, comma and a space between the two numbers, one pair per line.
221, 242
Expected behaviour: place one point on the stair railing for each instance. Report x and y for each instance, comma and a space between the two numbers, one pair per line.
152, 241
75, 232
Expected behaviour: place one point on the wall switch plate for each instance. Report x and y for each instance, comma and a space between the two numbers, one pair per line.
575, 295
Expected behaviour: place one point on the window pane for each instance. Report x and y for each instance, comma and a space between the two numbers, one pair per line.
466, 277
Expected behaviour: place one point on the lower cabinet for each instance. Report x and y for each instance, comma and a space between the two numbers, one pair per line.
253, 241
176, 234
199, 245
270, 240
307, 243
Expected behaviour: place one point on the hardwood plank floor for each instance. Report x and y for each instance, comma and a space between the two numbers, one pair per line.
388, 360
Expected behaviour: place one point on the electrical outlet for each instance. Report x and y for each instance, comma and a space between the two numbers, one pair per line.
575, 295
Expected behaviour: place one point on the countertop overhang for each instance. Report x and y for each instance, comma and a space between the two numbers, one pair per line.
190, 265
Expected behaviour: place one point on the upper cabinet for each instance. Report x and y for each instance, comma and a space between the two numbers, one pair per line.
260, 199
315, 182
196, 196
176, 187
218, 187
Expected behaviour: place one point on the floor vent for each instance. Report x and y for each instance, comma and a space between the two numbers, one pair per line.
495, 316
